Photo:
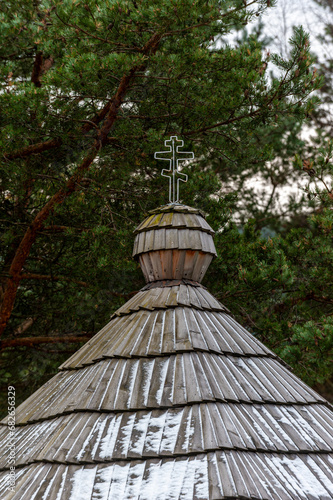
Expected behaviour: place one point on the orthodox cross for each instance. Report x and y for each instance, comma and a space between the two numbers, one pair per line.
173, 173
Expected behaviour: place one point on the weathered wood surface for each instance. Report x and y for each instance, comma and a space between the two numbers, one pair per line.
167, 320
172, 399
164, 382
90, 437
178, 217
215, 475
174, 246
173, 239
162, 297
174, 264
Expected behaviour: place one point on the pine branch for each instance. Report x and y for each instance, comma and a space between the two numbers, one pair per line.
72, 185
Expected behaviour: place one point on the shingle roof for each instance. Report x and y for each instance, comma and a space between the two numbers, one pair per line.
173, 399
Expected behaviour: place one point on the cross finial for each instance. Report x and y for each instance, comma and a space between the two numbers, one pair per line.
173, 173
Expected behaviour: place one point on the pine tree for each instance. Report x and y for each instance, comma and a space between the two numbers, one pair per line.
90, 90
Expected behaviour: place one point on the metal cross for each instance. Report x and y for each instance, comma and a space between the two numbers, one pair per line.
173, 172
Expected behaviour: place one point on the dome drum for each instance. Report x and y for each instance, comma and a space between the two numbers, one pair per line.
174, 244
174, 264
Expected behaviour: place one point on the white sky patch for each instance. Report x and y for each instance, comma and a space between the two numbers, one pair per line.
278, 26
262, 189
279, 20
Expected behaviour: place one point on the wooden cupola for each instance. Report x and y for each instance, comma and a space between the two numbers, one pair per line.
174, 242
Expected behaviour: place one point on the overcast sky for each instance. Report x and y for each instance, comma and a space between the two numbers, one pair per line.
278, 24
279, 21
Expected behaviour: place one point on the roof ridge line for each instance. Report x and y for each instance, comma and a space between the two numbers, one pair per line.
171, 226
172, 282
166, 457
192, 403
171, 306
180, 351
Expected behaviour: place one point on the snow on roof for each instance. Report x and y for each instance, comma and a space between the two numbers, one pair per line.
172, 399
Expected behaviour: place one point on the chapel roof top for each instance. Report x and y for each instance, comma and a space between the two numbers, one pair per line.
173, 398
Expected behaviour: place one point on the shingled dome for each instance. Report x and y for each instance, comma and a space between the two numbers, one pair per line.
172, 399
174, 242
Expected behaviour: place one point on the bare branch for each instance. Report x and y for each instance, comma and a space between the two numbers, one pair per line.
33, 149
37, 69
33, 276
32, 341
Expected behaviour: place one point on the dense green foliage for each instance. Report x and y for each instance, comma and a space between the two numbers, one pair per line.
90, 90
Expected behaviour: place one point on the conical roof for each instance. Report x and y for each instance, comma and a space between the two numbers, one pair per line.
172, 399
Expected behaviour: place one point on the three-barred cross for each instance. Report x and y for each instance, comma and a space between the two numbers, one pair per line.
173, 173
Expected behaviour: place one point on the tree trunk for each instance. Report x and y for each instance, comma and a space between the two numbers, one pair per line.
111, 112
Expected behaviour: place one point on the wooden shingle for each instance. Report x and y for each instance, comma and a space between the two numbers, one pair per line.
172, 399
